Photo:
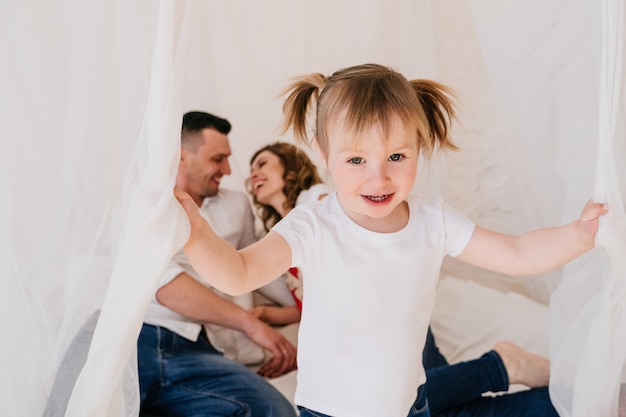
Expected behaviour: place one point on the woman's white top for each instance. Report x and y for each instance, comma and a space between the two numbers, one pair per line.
368, 300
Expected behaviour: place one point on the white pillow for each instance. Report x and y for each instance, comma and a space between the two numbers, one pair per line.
469, 318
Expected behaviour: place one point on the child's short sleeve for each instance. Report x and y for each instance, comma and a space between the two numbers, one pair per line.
459, 230
297, 228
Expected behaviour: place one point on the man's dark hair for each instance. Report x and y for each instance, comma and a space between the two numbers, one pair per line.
196, 121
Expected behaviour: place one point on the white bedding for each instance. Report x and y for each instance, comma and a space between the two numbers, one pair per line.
469, 318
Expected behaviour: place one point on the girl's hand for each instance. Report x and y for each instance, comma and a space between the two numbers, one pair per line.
185, 200
588, 223
192, 211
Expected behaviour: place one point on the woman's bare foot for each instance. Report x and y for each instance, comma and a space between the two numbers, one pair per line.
523, 367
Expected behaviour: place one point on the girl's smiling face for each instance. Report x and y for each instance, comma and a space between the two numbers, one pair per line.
372, 174
266, 180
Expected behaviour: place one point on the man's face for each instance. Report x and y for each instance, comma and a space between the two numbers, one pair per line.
200, 172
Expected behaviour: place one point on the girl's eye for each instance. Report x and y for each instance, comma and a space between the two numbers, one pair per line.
357, 160
395, 157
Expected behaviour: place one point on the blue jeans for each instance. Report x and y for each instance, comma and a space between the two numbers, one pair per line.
178, 377
456, 390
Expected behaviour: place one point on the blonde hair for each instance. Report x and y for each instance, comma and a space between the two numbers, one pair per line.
300, 173
366, 95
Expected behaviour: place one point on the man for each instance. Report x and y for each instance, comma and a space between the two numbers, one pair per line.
182, 370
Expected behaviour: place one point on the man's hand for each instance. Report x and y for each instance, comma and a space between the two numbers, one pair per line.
192, 299
283, 358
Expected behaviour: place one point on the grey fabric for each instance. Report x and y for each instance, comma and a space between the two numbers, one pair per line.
71, 365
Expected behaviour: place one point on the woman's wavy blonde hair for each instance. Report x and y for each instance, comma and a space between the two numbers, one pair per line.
300, 173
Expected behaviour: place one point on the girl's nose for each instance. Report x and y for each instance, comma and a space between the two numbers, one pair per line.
379, 174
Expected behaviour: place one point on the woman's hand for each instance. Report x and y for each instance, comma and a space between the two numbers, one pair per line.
276, 315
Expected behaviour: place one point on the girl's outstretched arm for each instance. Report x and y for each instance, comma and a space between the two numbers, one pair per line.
224, 267
537, 251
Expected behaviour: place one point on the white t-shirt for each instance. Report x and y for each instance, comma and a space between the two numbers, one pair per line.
313, 193
368, 298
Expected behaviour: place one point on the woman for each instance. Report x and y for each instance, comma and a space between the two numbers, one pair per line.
281, 177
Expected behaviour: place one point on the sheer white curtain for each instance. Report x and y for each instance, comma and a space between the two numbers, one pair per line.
91, 103
556, 79
92, 96
589, 346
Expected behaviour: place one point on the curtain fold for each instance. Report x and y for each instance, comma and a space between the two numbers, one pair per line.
590, 349
81, 94
153, 229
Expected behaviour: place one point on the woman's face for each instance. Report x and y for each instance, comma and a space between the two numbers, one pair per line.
266, 180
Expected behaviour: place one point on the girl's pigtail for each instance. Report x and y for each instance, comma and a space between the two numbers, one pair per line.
299, 94
436, 101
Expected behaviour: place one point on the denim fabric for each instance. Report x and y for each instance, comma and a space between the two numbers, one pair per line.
431, 357
456, 390
305, 412
531, 403
421, 407
178, 377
